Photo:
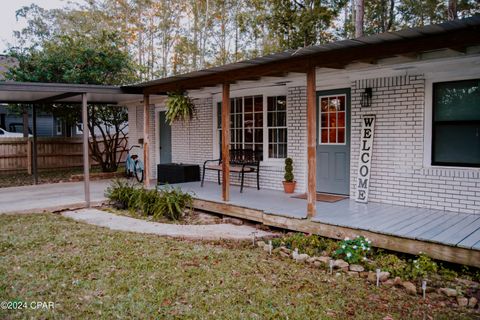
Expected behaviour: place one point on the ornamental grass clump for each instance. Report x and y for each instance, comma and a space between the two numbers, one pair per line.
122, 193
173, 203
169, 202
353, 250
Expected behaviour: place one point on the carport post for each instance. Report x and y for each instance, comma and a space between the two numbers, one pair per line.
34, 145
86, 165
146, 140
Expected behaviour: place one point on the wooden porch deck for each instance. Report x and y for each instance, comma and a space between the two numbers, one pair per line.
448, 236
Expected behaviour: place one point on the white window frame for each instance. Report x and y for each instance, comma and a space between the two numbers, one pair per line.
428, 116
247, 92
58, 125
275, 127
319, 119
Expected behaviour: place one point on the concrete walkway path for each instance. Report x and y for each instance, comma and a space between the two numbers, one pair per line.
50, 197
194, 232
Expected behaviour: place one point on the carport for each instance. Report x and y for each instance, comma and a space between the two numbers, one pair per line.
35, 94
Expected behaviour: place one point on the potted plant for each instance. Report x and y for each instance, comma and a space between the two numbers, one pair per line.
179, 107
289, 183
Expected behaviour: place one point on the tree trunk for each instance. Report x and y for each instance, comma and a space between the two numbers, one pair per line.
452, 10
25, 122
391, 15
360, 9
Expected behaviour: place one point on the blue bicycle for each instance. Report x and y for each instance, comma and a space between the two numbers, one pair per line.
133, 165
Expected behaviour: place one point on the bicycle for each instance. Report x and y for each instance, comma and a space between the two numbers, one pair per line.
133, 165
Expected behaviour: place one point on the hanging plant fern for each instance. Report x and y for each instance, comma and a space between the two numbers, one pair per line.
179, 107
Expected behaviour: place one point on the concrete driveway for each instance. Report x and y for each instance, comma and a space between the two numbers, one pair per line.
50, 197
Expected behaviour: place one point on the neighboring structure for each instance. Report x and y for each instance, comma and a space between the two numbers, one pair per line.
47, 124
422, 85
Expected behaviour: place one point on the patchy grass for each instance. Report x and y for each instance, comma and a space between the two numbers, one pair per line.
91, 272
44, 176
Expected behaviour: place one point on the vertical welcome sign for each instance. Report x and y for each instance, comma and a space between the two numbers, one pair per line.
365, 158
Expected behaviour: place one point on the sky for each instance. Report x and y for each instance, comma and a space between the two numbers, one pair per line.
8, 22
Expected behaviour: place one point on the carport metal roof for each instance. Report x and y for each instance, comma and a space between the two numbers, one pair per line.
38, 93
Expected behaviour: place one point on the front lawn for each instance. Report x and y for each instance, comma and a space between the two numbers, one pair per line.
22, 178
91, 272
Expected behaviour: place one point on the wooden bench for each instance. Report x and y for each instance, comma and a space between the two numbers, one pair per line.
241, 161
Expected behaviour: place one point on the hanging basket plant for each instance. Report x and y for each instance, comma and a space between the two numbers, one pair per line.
179, 107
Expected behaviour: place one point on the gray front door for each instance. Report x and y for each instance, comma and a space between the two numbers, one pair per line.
165, 140
333, 141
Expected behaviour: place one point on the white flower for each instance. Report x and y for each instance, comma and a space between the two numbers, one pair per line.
354, 247
364, 258
349, 254
343, 247
368, 249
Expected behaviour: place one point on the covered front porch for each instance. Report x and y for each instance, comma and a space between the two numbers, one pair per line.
449, 236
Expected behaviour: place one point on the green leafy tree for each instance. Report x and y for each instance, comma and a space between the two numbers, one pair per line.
82, 59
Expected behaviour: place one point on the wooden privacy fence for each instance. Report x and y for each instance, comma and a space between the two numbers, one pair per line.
16, 153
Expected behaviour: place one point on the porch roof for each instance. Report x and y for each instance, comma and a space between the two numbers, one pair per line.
457, 35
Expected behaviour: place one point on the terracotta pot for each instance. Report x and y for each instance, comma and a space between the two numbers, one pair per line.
289, 187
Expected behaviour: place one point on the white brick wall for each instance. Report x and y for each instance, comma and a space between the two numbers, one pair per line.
297, 133
397, 173
135, 132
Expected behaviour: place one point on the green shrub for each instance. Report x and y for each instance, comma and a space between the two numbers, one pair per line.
353, 250
312, 245
288, 170
391, 263
122, 193
447, 274
422, 267
173, 202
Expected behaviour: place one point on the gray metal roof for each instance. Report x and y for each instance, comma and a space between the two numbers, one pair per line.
329, 47
34, 92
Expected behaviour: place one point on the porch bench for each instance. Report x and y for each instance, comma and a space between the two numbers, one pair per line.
241, 161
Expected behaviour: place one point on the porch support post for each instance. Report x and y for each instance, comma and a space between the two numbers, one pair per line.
86, 164
146, 141
311, 143
226, 142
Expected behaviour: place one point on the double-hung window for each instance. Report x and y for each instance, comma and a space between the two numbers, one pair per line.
255, 127
277, 127
246, 123
456, 123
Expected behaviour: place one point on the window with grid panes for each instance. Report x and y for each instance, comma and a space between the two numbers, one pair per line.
277, 126
246, 123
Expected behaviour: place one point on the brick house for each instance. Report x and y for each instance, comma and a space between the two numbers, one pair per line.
423, 87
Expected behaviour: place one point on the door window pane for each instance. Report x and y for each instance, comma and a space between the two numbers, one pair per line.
332, 119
